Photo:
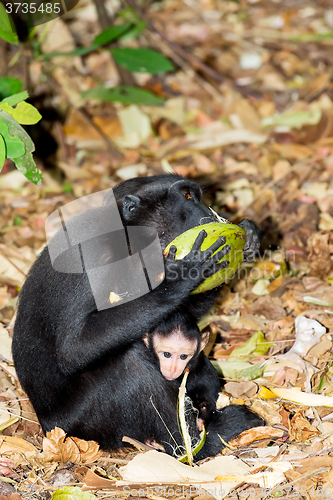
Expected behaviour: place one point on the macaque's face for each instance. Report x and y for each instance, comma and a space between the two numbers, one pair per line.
174, 352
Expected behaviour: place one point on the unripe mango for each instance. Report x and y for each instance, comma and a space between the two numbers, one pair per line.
235, 237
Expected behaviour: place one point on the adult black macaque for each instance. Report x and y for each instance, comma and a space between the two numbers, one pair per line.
89, 371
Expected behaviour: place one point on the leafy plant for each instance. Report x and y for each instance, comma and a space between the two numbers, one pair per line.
15, 143
125, 94
9, 86
6, 30
139, 60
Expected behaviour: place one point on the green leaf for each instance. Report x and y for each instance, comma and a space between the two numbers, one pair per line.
24, 113
126, 95
14, 145
67, 187
311, 37
72, 493
15, 130
16, 98
6, 30
80, 51
111, 33
9, 86
2, 152
106, 36
238, 370
141, 60
134, 31
27, 167
255, 346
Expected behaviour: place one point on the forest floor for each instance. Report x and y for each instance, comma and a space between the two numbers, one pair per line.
249, 114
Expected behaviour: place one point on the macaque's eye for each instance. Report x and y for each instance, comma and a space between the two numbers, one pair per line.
167, 354
187, 195
183, 356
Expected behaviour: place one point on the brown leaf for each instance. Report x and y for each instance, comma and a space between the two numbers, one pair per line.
320, 246
92, 480
58, 448
241, 389
270, 307
14, 496
293, 151
256, 434
89, 450
9, 444
300, 429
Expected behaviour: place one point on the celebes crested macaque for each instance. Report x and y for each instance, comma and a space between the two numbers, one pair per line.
89, 371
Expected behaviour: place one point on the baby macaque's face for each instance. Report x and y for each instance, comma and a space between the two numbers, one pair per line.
173, 352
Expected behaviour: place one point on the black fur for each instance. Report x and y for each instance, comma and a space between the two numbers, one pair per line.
88, 371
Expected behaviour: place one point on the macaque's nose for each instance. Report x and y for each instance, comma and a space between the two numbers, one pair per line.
174, 370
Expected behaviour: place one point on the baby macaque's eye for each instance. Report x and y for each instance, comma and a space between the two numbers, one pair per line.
183, 356
167, 354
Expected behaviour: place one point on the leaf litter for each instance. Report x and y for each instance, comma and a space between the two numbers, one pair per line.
255, 125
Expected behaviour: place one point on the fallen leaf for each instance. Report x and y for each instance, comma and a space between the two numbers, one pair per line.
256, 434
241, 389
72, 493
300, 429
58, 448
320, 246
303, 398
5, 344
9, 444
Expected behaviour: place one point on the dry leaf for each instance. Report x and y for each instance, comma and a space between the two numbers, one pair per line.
241, 389
94, 481
5, 344
256, 434
213, 476
300, 429
320, 246
9, 444
58, 448
216, 134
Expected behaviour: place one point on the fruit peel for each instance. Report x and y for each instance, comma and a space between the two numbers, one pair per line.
235, 237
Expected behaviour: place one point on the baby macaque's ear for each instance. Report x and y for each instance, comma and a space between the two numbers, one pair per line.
204, 340
145, 338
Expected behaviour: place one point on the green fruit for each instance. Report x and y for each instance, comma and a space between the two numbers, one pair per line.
235, 237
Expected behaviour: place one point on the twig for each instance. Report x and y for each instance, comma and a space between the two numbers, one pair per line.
208, 87
300, 479
113, 149
105, 20
193, 60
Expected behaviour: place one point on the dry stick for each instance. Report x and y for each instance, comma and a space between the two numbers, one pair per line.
112, 147
325, 451
85, 115
300, 479
270, 184
103, 16
105, 21
244, 485
208, 87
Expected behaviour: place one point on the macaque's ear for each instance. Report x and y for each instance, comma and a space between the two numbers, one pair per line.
204, 340
145, 338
